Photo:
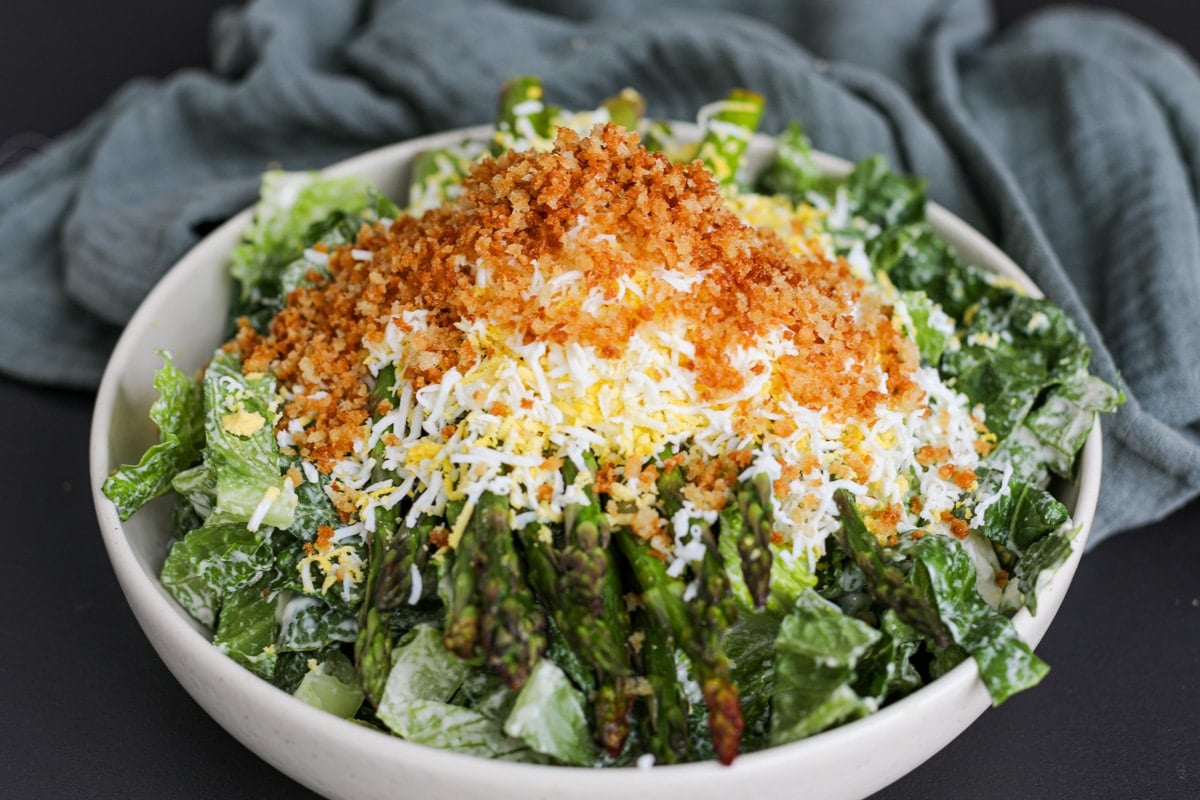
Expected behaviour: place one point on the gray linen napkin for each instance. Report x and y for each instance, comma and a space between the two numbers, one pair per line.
1072, 140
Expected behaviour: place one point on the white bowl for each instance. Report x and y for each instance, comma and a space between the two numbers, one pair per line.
185, 314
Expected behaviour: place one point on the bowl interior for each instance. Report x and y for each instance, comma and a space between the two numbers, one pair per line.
185, 315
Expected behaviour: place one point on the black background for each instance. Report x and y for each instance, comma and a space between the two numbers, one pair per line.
88, 710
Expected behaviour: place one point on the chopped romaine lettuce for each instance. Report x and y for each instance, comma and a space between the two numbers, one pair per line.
246, 629
1041, 558
793, 172
210, 563
945, 574
240, 448
177, 413
549, 716
290, 204
932, 328
309, 623
887, 671
882, 197
332, 685
818, 649
416, 703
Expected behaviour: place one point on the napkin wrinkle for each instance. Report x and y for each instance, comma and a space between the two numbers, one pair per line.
1072, 139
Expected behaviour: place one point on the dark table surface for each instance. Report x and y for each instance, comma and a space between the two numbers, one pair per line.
90, 711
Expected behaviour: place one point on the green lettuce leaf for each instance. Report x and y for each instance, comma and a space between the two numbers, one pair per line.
914, 258
244, 459
882, 197
290, 203
1062, 422
793, 173
887, 671
1020, 514
210, 563
750, 646
332, 686
422, 669
416, 701
178, 414
438, 174
246, 629
1044, 556
818, 649
309, 623
932, 329
197, 486
1012, 351
549, 716
313, 506
943, 571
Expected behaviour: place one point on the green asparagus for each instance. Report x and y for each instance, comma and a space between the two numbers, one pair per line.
754, 538
727, 134
886, 581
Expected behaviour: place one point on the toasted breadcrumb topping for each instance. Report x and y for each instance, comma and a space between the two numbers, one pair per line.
589, 243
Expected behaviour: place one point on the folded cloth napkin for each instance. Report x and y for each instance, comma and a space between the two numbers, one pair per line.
1073, 140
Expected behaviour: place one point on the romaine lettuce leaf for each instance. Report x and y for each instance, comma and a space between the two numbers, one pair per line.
887, 671
240, 448
309, 623
210, 563
178, 414
313, 506
415, 703
818, 650
332, 686
197, 486
793, 173
1020, 514
451, 727
1013, 350
549, 716
915, 258
1063, 421
882, 197
750, 646
290, 203
932, 328
1045, 555
422, 669
944, 573
246, 629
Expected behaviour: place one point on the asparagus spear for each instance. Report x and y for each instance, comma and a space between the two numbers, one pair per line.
461, 631
409, 550
581, 587
437, 174
727, 134
373, 644
625, 108
664, 726
753, 538
589, 578
887, 582
596, 637
713, 610
697, 629
512, 628
523, 116
373, 652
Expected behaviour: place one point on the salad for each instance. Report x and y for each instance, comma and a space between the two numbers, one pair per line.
602, 451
